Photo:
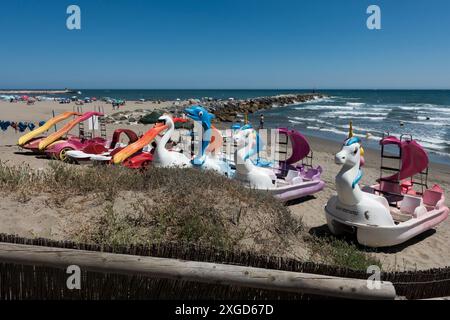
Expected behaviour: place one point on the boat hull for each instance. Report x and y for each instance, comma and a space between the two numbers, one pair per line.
386, 236
296, 191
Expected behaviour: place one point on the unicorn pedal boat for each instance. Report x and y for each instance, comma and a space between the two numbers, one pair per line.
293, 185
299, 158
390, 212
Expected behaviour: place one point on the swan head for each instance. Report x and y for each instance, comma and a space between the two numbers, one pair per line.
199, 113
351, 153
167, 120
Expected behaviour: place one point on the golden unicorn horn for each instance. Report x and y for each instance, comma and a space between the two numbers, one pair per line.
350, 135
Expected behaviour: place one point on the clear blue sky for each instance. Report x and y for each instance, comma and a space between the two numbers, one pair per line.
225, 44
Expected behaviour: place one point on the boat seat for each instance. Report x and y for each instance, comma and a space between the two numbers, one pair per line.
95, 149
293, 177
409, 204
431, 197
399, 216
311, 173
368, 189
406, 185
390, 187
392, 191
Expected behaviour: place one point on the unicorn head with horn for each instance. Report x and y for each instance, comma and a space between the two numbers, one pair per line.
351, 158
351, 135
247, 142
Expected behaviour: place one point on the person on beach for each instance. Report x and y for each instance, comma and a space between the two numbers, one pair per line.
261, 122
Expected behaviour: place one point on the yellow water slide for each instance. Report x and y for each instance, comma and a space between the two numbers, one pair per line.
61, 132
50, 123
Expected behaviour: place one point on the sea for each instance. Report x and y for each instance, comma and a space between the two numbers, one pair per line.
425, 114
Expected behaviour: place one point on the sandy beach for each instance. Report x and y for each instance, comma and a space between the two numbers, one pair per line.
430, 250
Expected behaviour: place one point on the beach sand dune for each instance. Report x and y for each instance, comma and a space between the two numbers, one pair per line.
430, 250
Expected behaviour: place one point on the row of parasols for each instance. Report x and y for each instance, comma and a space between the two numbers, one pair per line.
19, 126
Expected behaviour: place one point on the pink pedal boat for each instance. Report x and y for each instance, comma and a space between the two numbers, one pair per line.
58, 149
85, 152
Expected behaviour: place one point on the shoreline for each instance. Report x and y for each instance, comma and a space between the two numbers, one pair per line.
439, 160
325, 145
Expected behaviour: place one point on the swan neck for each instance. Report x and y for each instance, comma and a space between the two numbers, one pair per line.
161, 147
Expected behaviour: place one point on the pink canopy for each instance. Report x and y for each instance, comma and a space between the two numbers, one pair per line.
414, 158
300, 146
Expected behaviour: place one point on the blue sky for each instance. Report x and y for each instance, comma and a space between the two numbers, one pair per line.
225, 44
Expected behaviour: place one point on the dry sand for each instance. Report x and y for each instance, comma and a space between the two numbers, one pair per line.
430, 250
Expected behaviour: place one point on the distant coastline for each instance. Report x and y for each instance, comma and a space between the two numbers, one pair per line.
65, 91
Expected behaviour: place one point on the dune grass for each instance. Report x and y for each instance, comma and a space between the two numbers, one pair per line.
338, 252
157, 204
118, 206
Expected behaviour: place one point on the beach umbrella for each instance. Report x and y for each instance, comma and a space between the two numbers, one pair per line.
25, 98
